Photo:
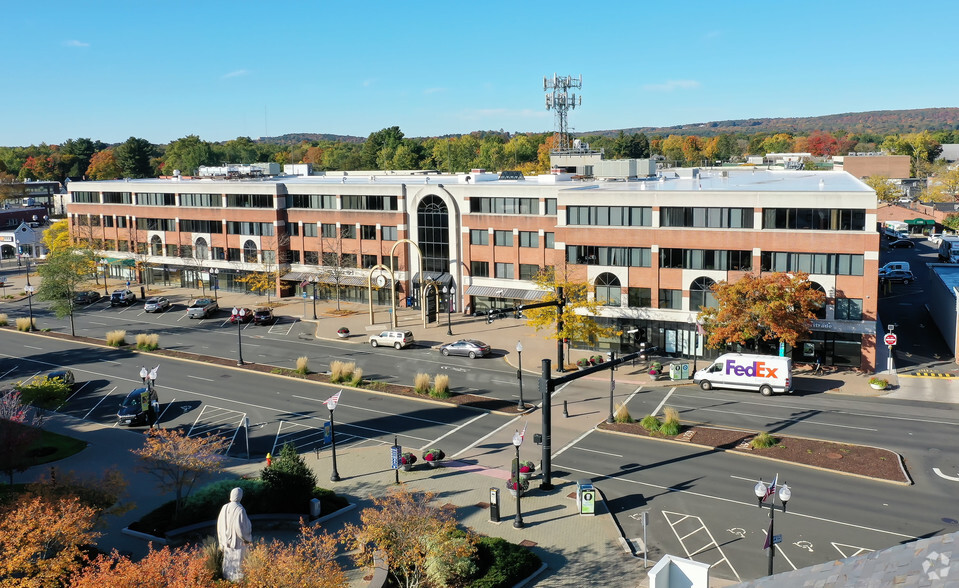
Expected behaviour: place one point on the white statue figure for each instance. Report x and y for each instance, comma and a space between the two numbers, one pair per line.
235, 533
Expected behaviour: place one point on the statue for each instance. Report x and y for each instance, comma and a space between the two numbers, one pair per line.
235, 533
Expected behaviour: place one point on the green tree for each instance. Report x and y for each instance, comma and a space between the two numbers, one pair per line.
775, 306
239, 150
389, 138
187, 155
82, 151
63, 272
134, 157
289, 479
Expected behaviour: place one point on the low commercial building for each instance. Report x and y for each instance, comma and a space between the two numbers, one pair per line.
649, 247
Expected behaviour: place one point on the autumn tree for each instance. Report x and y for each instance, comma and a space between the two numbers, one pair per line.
774, 306
672, 147
17, 434
102, 491
944, 187
41, 540
307, 562
64, 271
579, 312
410, 531
57, 236
886, 191
104, 166
178, 461
778, 143
182, 567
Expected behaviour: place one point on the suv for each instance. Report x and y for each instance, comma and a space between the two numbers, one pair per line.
122, 298
904, 276
396, 339
140, 405
86, 297
201, 308
261, 316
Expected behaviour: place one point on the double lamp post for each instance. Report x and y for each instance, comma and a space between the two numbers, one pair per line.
763, 492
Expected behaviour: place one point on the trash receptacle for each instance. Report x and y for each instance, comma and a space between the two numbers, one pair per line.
678, 371
315, 508
585, 497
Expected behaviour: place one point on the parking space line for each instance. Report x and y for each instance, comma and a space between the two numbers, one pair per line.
98, 403
781, 551
430, 421
75, 392
8, 371
213, 427
850, 552
166, 408
702, 527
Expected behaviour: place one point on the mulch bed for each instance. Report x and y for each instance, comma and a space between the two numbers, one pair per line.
870, 462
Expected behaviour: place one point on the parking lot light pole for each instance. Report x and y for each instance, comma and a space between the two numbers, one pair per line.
215, 284
518, 521
239, 313
314, 279
762, 493
519, 374
106, 266
30, 290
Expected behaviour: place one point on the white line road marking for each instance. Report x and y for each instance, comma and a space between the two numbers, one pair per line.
199, 378
77, 391
111, 361
852, 551
807, 545
166, 408
99, 324
441, 437
487, 436
781, 551
600, 452
32, 347
702, 527
660, 407
430, 421
942, 475
805, 421
571, 443
98, 403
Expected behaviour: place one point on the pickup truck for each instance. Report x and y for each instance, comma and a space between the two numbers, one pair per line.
201, 308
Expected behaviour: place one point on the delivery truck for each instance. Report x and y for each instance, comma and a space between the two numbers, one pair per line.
741, 371
949, 249
896, 229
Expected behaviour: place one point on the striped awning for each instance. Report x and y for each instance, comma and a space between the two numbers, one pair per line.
328, 279
512, 293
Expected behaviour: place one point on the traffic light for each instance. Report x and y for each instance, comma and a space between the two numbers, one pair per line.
489, 317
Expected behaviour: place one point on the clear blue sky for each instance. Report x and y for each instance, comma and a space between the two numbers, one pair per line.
109, 70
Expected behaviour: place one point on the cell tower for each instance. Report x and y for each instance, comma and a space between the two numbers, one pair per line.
560, 100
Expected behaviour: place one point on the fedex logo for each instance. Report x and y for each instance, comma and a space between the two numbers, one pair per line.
757, 369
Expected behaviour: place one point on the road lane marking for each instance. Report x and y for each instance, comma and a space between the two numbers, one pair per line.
571, 443
942, 475
199, 378
430, 421
98, 403
660, 407
77, 391
600, 452
487, 436
854, 551
778, 419
32, 347
441, 437
702, 527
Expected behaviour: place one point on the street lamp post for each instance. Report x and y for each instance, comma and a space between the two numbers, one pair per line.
519, 374
331, 404
30, 290
313, 280
28, 270
762, 493
612, 386
106, 266
215, 284
239, 313
449, 308
518, 521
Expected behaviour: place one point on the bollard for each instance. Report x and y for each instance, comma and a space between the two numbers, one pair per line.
269, 460
565, 410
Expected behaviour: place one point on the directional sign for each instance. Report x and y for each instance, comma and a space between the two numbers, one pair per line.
890, 339
395, 452
777, 539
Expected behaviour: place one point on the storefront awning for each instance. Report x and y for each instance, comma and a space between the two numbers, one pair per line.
124, 261
328, 279
513, 293
441, 278
920, 221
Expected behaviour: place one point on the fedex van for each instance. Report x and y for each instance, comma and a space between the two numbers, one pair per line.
740, 371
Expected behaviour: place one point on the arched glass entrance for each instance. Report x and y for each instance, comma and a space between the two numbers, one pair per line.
434, 234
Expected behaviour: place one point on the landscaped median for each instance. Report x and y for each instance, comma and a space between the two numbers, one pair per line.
856, 460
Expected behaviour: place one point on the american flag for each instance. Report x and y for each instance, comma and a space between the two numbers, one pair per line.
332, 400
771, 490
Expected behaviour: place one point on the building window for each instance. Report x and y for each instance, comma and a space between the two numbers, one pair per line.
156, 224
172, 250
368, 261
347, 231
293, 230
815, 219
389, 233
348, 260
528, 271
156, 199
156, 245
614, 256
202, 249
503, 238
479, 269
387, 261
269, 256
356, 202
249, 200
849, 309
479, 237
608, 290
108, 221
528, 239
85, 197
311, 257
320, 201
233, 254
830, 264
434, 236
117, 198
709, 259
549, 240
528, 206
706, 217
121, 222
504, 270
204, 200
640, 298
249, 252
670, 299
701, 294
368, 232
551, 206
309, 230
201, 226
610, 216
328, 231
293, 255
249, 228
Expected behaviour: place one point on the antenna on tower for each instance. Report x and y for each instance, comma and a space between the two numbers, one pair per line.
560, 100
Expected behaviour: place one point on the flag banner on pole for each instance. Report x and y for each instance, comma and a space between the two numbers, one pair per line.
332, 400
771, 490
769, 536
153, 372
523, 434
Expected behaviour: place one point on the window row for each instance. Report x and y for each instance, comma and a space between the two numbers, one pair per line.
616, 256
249, 228
832, 264
505, 238
706, 217
610, 216
156, 199
505, 206
358, 202
318, 201
204, 200
706, 259
816, 219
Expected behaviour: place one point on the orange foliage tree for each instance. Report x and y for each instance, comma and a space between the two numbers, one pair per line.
104, 166
768, 307
306, 563
41, 540
178, 461
413, 534
165, 568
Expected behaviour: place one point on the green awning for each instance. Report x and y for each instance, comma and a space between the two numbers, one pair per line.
125, 261
920, 221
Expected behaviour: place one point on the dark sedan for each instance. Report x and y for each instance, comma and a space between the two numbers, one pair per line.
471, 348
86, 297
902, 244
903, 276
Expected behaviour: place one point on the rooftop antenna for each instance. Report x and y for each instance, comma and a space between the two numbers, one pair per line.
560, 100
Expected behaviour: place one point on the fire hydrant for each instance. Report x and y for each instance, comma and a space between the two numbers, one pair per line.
269, 460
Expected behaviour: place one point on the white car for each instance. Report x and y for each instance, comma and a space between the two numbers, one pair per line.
156, 304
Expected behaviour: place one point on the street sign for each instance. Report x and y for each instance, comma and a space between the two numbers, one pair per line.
890, 339
395, 451
777, 539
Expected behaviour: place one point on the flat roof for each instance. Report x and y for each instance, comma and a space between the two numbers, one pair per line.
949, 274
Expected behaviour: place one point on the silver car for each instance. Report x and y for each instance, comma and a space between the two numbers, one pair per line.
471, 348
156, 304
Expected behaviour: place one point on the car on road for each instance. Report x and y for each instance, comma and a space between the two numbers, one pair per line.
262, 315
140, 406
122, 298
471, 348
395, 339
156, 304
902, 244
201, 308
903, 276
86, 297
65, 376
241, 315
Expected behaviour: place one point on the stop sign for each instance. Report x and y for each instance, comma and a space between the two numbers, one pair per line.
890, 339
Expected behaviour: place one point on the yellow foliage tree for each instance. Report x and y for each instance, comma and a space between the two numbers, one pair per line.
579, 312
261, 282
886, 191
308, 562
57, 236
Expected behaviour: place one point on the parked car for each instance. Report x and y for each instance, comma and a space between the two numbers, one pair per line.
156, 304
122, 298
241, 315
395, 339
469, 347
141, 405
86, 297
262, 315
903, 276
902, 244
65, 376
201, 308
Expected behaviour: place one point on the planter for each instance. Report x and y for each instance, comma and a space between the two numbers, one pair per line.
512, 492
435, 463
342, 335
407, 467
877, 386
654, 377
525, 475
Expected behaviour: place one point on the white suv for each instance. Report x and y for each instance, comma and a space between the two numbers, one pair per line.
396, 339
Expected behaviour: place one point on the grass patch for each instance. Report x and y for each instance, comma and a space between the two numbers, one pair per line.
650, 423
23, 324
148, 341
441, 387
763, 441
421, 383
341, 371
116, 338
621, 414
54, 447
303, 365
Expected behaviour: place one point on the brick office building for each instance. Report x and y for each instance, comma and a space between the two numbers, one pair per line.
649, 248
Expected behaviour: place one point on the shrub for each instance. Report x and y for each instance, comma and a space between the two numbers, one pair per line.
459, 564
341, 371
621, 414
583, 362
303, 365
876, 381
4, 320
527, 467
357, 377
521, 484
441, 386
597, 359
23, 324
763, 441
670, 428
502, 563
116, 338
407, 458
148, 342
421, 383
650, 423
289, 479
